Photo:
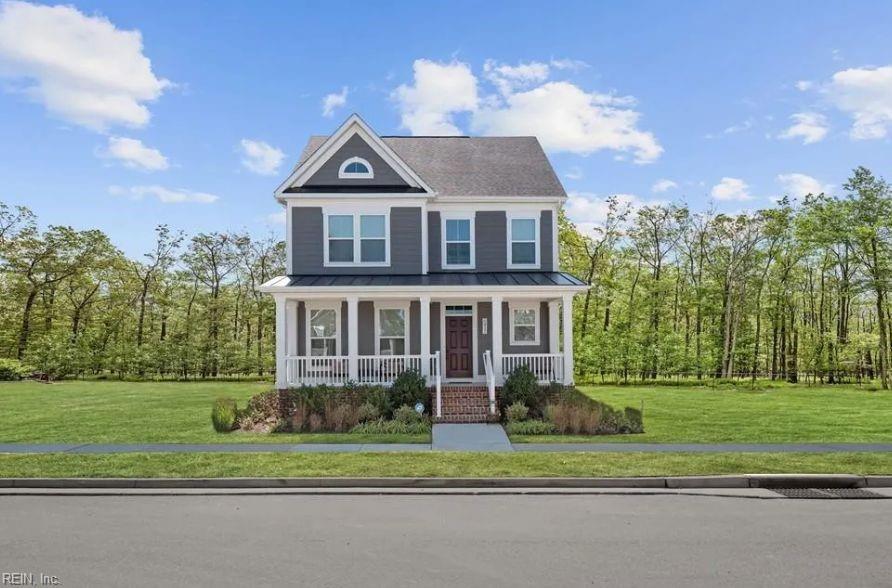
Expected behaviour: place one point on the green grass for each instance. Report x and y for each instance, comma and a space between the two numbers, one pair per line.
139, 412
437, 464
737, 415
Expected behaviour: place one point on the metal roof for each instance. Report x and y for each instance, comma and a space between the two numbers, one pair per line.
509, 279
473, 166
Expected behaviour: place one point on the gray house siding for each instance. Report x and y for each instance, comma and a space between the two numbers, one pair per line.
433, 241
344, 328
542, 347
546, 241
366, 316
414, 328
435, 328
327, 175
307, 243
301, 328
489, 241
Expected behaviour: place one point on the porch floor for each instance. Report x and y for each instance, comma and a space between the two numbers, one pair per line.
470, 437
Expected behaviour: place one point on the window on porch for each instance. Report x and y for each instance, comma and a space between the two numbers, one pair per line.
392, 331
524, 324
324, 332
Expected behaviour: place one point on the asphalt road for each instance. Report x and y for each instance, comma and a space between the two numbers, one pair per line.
446, 540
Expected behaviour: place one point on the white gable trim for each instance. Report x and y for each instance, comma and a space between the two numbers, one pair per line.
354, 125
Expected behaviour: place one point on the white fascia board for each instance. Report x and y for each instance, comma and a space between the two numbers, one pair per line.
416, 291
445, 199
358, 198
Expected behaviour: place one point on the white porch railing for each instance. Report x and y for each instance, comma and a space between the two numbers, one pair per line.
384, 369
490, 380
436, 377
547, 367
316, 371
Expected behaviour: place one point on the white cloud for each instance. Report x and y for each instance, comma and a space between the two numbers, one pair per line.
589, 211
164, 195
566, 118
439, 90
811, 127
731, 189
261, 157
866, 95
663, 185
81, 68
739, 127
574, 173
562, 115
276, 218
799, 185
804, 85
509, 78
568, 64
134, 154
333, 101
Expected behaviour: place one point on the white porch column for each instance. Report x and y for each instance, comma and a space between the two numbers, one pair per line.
425, 313
553, 326
568, 338
353, 338
291, 326
281, 330
497, 338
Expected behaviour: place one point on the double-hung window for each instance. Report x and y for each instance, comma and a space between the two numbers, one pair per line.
323, 331
523, 242
356, 239
458, 243
524, 323
392, 330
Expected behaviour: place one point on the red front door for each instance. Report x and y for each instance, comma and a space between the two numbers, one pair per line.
458, 347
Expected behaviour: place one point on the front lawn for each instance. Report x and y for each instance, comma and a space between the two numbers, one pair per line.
436, 464
139, 412
785, 414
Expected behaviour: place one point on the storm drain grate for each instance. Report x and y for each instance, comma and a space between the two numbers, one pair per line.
825, 493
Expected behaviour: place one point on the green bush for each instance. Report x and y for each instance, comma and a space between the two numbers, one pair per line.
224, 415
367, 412
13, 369
532, 427
634, 420
521, 386
406, 414
517, 412
382, 427
410, 388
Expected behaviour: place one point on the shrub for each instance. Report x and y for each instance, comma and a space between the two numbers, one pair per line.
382, 427
407, 415
531, 427
13, 369
367, 412
224, 414
521, 386
409, 388
573, 419
340, 417
517, 412
634, 420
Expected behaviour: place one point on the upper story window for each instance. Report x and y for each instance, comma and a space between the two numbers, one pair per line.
523, 242
458, 242
357, 239
356, 168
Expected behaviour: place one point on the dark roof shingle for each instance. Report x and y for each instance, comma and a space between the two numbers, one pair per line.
473, 166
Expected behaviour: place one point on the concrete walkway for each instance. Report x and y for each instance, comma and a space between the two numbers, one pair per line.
470, 437
445, 438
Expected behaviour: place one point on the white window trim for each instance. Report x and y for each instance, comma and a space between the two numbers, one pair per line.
469, 216
535, 218
534, 306
357, 238
398, 305
309, 307
345, 175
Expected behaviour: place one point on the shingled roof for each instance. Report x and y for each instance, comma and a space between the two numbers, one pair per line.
473, 166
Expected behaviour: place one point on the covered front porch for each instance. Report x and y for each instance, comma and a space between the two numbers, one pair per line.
448, 337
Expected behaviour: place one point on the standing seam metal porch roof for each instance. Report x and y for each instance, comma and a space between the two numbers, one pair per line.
511, 279
472, 166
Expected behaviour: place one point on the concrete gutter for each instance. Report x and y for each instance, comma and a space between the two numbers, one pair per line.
684, 482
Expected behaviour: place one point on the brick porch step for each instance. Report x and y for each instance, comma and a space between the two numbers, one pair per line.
464, 404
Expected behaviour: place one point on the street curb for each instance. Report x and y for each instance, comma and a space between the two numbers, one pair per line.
688, 482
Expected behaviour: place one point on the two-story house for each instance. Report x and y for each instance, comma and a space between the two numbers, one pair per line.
438, 254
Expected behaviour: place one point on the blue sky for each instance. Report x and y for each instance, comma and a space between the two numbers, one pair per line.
727, 103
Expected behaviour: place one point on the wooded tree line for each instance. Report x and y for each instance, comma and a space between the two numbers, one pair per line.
795, 291
71, 304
